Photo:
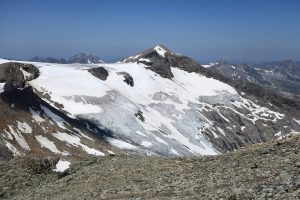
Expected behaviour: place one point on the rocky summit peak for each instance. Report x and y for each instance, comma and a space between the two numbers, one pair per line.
161, 50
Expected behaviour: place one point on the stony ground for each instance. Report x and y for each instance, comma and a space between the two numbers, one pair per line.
262, 171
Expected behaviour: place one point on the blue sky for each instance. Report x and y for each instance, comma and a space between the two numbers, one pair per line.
208, 30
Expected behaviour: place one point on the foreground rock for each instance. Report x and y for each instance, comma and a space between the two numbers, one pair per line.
15, 75
263, 171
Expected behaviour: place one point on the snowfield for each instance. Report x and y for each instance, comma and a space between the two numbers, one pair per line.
171, 121
182, 116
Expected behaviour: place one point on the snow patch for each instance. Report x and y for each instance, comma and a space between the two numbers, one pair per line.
82, 134
297, 121
110, 152
13, 149
140, 133
58, 120
221, 131
144, 60
279, 135
209, 65
24, 127
75, 141
120, 144
36, 116
62, 165
174, 152
2, 87
46, 143
19, 138
146, 144
26, 74
161, 51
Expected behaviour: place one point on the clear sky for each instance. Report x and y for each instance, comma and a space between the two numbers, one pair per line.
207, 30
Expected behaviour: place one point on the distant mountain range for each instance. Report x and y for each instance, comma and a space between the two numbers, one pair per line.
281, 77
80, 58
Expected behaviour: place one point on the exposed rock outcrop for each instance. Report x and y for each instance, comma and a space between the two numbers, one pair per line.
99, 72
15, 75
127, 78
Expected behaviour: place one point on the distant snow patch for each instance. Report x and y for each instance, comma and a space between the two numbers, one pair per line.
158, 139
297, 121
144, 60
279, 135
120, 144
221, 131
82, 134
19, 138
146, 144
2, 87
58, 120
140, 133
110, 152
75, 141
13, 149
46, 143
175, 152
62, 166
209, 65
161, 51
36, 115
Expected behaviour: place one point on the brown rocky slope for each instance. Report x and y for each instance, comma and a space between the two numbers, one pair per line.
262, 171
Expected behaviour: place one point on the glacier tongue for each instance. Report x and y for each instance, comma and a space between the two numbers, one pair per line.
189, 114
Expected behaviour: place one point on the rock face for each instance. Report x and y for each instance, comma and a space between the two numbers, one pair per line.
280, 77
155, 62
127, 78
15, 75
99, 72
262, 171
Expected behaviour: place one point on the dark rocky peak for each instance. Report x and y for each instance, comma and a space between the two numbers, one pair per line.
159, 51
160, 60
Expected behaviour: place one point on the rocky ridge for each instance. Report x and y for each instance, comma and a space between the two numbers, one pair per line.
279, 77
261, 171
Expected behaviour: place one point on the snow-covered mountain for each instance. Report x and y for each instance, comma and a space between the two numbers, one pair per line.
155, 103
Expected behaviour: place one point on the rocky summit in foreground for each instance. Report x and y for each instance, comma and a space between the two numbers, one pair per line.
261, 171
